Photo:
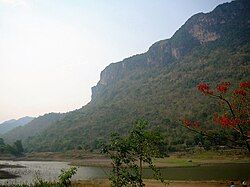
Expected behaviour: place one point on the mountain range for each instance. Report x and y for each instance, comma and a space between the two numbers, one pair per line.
158, 85
13, 123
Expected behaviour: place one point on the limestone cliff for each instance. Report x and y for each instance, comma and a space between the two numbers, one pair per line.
198, 31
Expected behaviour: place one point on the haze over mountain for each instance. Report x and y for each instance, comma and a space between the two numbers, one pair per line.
11, 124
33, 127
159, 85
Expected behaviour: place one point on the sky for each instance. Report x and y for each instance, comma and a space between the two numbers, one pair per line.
52, 51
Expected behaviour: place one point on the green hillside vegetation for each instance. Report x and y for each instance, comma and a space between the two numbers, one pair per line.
159, 85
16, 149
33, 128
11, 124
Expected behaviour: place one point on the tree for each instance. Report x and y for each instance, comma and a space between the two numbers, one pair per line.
146, 145
2, 146
66, 175
16, 149
18, 146
128, 154
234, 116
124, 171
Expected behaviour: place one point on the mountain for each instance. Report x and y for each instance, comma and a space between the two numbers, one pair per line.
160, 84
11, 124
32, 128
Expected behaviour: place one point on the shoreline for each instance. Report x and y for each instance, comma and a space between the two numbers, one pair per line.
186, 159
95, 162
149, 182
176, 160
8, 175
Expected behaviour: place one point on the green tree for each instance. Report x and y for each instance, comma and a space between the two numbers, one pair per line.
18, 146
2, 146
146, 145
128, 154
123, 167
1, 142
66, 175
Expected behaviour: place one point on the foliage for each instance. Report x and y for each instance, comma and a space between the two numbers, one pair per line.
64, 180
16, 149
66, 175
234, 115
129, 153
18, 146
32, 128
155, 86
124, 170
11, 124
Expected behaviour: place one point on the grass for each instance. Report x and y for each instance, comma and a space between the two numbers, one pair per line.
175, 162
194, 157
201, 157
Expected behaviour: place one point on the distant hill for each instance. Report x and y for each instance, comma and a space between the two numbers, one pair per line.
13, 123
159, 85
33, 128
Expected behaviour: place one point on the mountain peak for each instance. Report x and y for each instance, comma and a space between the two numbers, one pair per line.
199, 30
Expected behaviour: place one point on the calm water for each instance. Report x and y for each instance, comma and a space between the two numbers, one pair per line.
50, 171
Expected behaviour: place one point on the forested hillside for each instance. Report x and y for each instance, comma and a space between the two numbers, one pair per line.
33, 128
159, 85
11, 124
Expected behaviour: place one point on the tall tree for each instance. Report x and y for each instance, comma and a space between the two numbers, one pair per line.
18, 147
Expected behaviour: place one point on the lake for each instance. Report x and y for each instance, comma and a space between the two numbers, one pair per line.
50, 170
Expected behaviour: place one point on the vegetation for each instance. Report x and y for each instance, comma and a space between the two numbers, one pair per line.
66, 175
159, 86
11, 124
64, 180
33, 128
129, 153
16, 149
235, 115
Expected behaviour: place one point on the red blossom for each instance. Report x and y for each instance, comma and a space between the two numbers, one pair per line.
240, 92
245, 84
223, 87
204, 88
225, 121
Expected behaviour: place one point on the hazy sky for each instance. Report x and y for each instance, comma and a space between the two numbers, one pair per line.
52, 51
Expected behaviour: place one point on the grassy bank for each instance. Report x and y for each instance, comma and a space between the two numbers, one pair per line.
180, 159
194, 157
201, 157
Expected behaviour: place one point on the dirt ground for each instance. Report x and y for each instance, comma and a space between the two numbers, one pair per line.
151, 183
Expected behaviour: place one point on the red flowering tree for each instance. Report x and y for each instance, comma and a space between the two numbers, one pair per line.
236, 109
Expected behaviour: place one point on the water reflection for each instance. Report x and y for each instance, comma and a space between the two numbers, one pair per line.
50, 171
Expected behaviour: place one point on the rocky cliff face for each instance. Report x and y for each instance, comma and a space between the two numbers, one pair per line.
198, 31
